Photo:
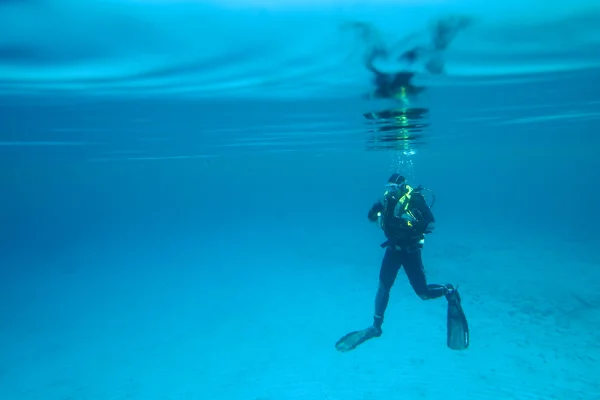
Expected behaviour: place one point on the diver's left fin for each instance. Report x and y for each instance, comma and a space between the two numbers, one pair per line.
458, 335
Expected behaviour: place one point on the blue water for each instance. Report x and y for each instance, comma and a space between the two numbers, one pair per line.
185, 187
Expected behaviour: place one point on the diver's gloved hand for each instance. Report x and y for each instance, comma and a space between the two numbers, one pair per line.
377, 208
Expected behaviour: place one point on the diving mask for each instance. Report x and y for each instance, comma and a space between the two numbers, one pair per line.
395, 188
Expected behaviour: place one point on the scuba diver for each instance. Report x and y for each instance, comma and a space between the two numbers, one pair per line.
405, 219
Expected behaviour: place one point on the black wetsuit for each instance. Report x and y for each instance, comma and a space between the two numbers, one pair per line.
403, 249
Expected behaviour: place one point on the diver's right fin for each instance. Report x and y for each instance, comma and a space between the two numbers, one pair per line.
457, 325
352, 340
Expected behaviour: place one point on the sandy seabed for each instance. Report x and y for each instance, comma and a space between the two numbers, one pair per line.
263, 326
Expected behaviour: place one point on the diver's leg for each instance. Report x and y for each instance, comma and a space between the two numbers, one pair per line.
413, 266
387, 276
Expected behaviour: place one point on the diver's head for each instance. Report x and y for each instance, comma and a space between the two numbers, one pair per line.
396, 179
396, 184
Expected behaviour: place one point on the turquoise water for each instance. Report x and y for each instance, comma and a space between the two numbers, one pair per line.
185, 188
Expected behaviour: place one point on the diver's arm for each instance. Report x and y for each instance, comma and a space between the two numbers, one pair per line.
374, 211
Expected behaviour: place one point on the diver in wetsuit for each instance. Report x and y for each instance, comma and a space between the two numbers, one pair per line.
405, 218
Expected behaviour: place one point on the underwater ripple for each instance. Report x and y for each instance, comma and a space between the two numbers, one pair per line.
126, 48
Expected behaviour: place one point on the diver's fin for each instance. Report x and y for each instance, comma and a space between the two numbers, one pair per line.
353, 339
458, 327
